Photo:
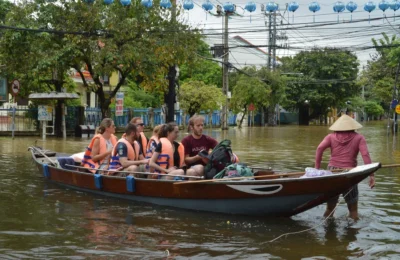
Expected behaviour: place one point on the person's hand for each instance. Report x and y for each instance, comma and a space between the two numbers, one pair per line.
372, 181
146, 161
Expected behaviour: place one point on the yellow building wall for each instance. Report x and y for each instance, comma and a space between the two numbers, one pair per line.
114, 78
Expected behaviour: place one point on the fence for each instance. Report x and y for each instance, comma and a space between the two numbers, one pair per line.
26, 118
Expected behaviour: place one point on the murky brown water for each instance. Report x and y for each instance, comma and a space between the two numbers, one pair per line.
39, 220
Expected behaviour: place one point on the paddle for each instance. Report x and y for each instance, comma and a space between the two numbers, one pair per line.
145, 173
273, 176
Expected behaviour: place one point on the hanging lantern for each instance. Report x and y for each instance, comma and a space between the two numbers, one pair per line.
251, 7
369, 7
338, 7
394, 5
292, 7
271, 7
125, 2
229, 7
147, 3
188, 5
207, 6
166, 4
384, 5
108, 2
314, 7
351, 7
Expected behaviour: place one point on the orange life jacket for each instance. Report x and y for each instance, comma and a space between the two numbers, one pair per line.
87, 161
133, 153
144, 143
166, 157
149, 152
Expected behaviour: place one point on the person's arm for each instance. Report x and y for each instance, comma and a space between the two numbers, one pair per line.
153, 163
320, 150
363, 148
96, 155
123, 158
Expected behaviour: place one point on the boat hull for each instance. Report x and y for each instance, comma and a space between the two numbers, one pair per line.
275, 197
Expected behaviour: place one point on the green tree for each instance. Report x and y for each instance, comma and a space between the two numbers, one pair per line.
196, 96
328, 80
132, 40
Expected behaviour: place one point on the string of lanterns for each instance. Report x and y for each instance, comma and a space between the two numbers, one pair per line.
270, 7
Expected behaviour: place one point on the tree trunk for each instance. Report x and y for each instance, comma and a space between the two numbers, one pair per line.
241, 120
169, 98
271, 115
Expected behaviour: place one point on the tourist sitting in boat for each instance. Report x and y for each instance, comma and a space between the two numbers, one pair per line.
97, 154
125, 155
152, 143
168, 156
142, 139
195, 143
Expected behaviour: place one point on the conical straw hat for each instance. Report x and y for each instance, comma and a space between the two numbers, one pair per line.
345, 123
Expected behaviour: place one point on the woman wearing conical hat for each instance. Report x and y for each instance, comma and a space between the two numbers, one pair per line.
345, 144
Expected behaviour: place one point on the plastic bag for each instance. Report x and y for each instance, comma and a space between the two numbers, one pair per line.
312, 172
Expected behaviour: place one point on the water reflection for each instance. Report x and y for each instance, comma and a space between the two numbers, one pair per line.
42, 220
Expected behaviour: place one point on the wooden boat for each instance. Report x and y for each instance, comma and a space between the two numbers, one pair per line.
274, 195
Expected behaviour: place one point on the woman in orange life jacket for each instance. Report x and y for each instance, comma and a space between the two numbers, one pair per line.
168, 156
152, 144
97, 154
142, 139
125, 154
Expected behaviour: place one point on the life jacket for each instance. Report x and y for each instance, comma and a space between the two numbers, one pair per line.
149, 152
166, 157
143, 139
144, 142
133, 153
87, 161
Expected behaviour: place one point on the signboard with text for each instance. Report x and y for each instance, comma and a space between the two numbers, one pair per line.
119, 104
45, 113
3, 90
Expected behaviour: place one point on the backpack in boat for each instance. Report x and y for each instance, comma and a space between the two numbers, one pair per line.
235, 170
219, 158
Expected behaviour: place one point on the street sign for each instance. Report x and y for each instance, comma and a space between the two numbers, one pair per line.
398, 109
119, 105
15, 85
251, 107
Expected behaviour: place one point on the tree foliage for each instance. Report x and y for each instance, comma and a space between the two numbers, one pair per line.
196, 96
133, 40
326, 78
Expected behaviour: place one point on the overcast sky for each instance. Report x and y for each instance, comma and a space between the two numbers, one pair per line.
302, 32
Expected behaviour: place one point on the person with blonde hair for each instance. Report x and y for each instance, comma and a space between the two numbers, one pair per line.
97, 154
345, 144
195, 143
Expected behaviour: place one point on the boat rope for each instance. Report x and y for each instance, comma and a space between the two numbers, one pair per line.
313, 227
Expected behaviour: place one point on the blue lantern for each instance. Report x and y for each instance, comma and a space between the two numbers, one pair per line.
369, 7
229, 7
166, 4
271, 7
339, 7
251, 7
188, 5
314, 7
207, 6
125, 2
108, 2
293, 6
394, 5
384, 5
147, 3
351, 7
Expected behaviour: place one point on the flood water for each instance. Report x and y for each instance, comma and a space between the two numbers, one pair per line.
40, 220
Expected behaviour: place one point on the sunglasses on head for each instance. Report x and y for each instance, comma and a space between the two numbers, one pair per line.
141, 124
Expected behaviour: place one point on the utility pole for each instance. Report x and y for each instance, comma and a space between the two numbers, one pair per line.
269, 40
225, 79
169, 97
274, 43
